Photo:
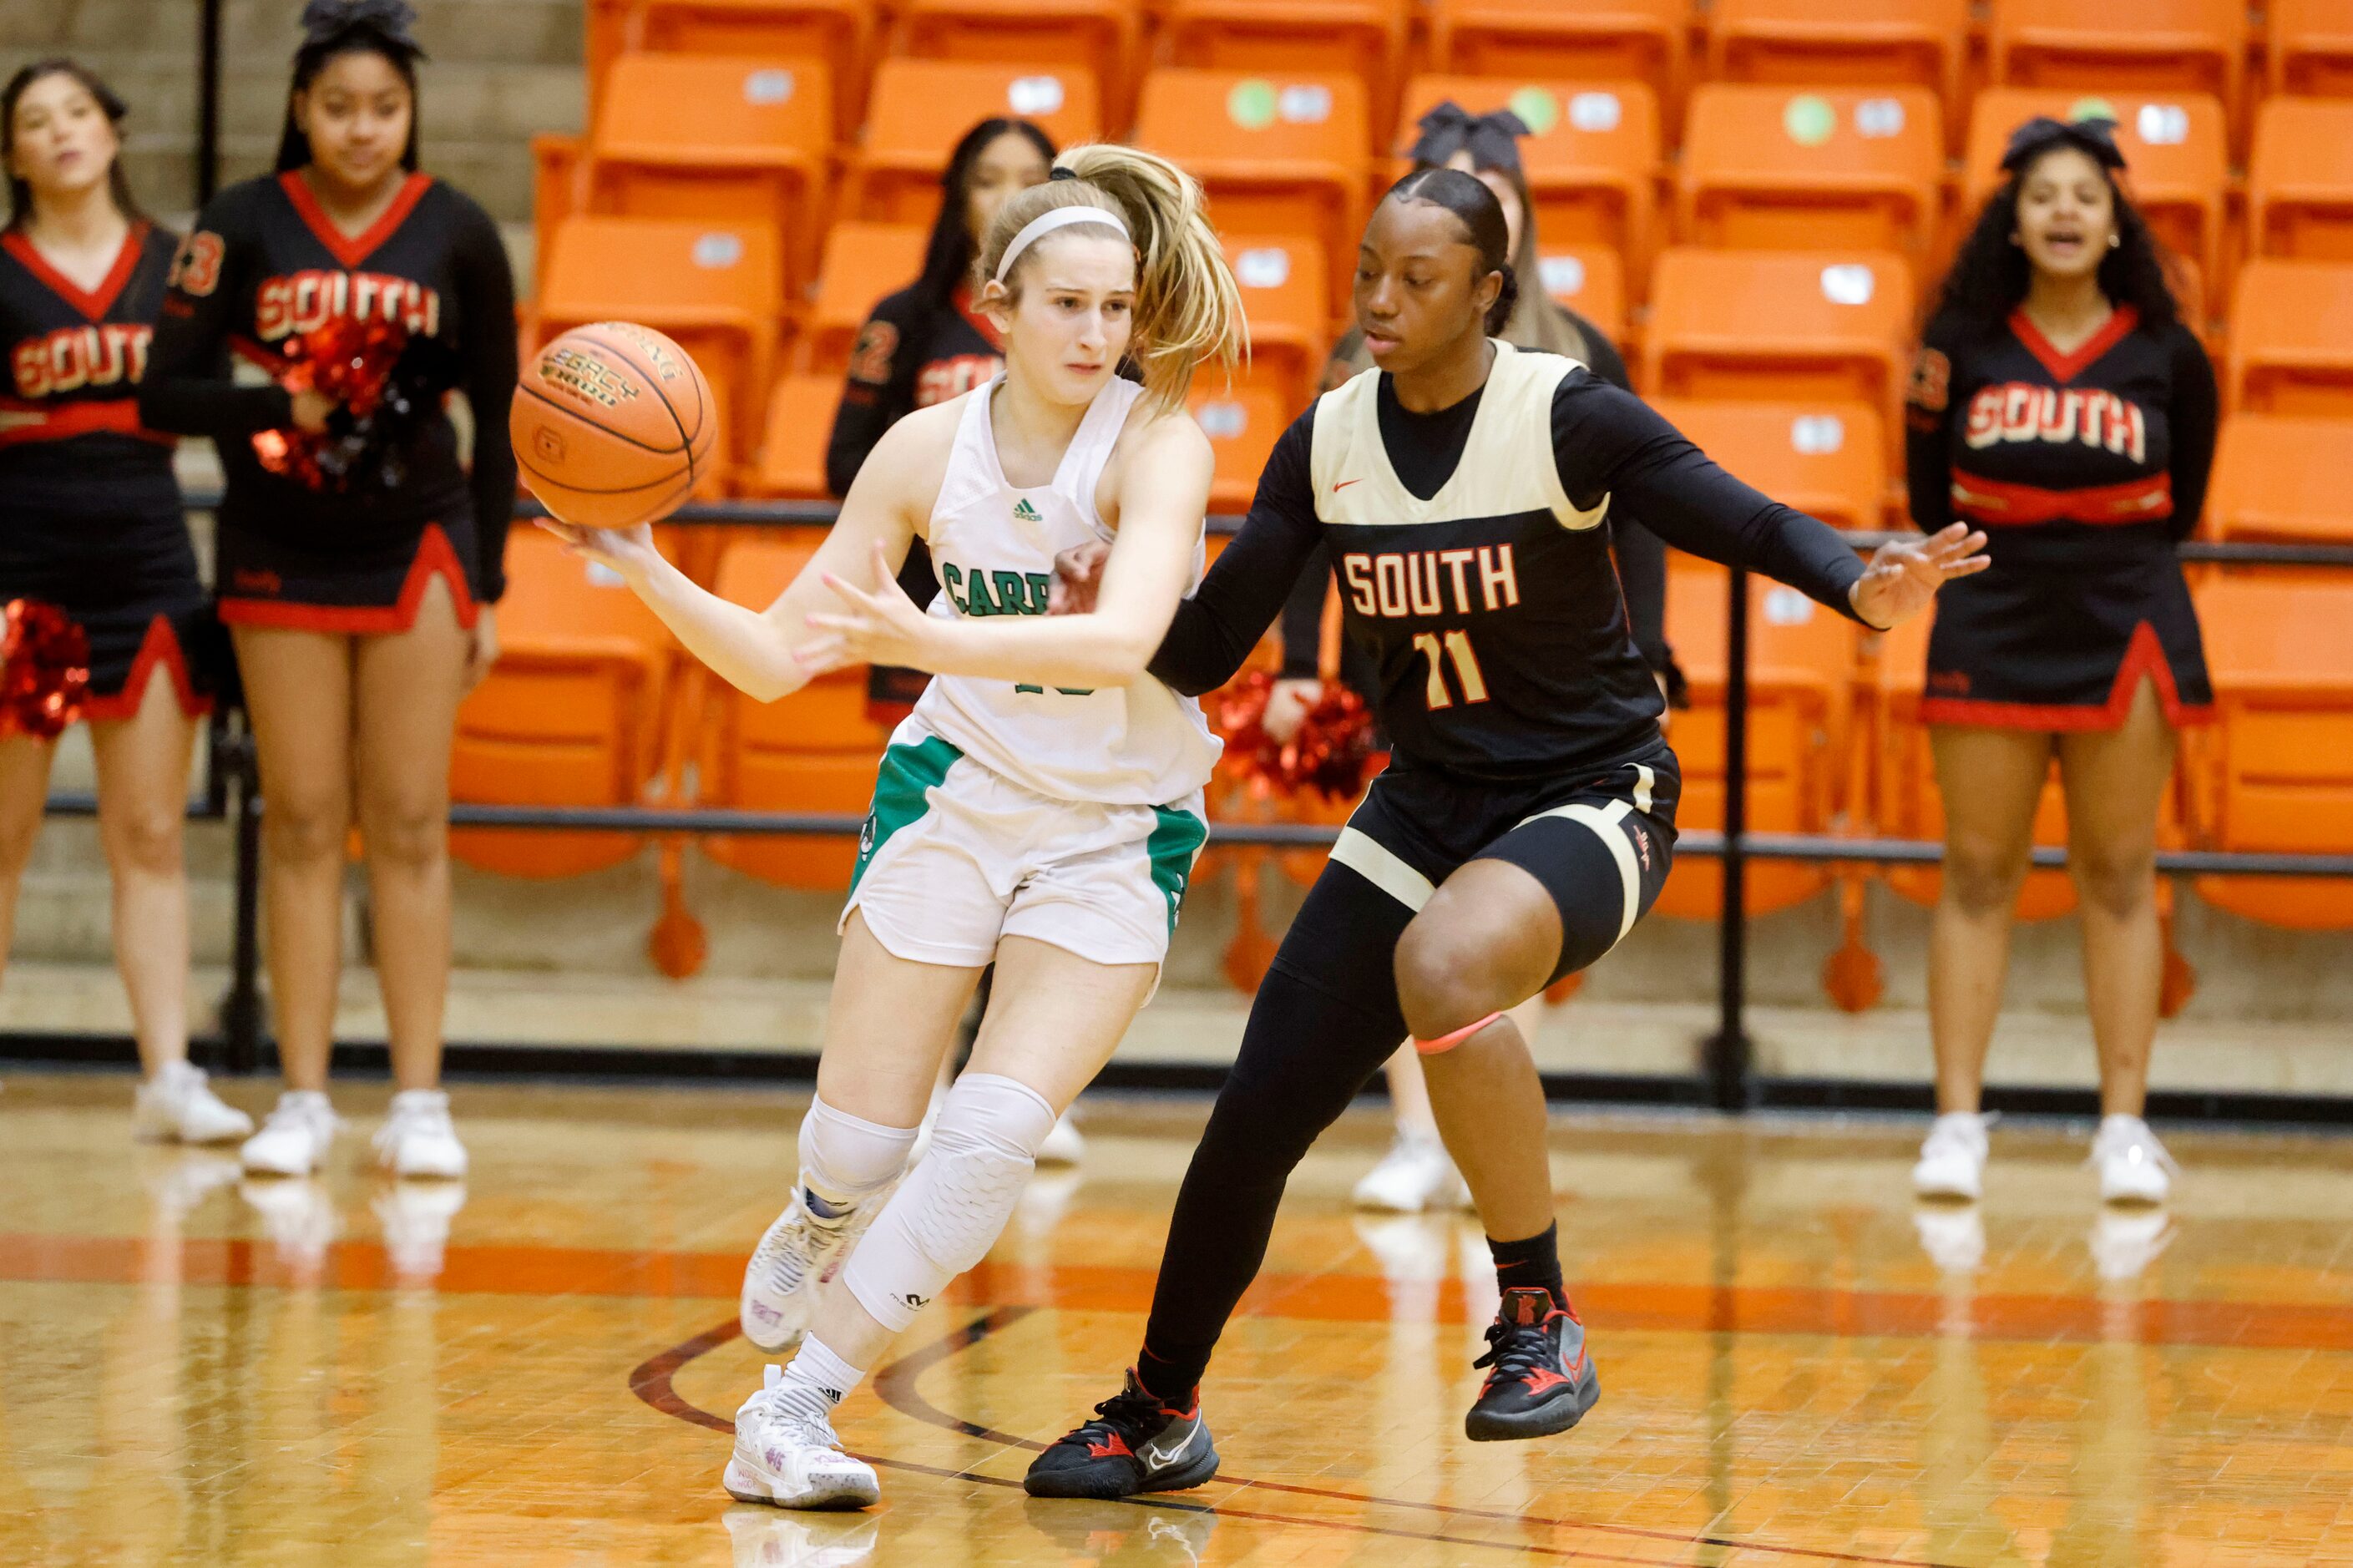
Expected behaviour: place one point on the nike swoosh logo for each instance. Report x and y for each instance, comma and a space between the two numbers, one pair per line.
1344, 484
1159, 1458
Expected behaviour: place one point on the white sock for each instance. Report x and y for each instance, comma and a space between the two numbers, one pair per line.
816, 1381
845, 1159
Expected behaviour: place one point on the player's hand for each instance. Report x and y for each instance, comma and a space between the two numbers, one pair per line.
1903, 577
312, 409
1078, 574
482, 651
1288, 703
628, 551
876, 626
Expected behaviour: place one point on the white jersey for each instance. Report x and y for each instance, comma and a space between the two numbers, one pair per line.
993, 545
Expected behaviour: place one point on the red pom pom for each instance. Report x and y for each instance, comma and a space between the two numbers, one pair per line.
349, 361
1330, 752
44, 670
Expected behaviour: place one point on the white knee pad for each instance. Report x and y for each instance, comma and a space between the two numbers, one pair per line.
947, 1215
845, 1160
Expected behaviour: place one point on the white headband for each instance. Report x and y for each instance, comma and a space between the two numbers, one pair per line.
1047, 222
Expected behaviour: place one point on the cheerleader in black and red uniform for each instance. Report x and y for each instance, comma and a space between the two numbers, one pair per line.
95, 560
358, 561
2061, 405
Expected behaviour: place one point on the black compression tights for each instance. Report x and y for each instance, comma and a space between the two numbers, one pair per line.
1326, 1019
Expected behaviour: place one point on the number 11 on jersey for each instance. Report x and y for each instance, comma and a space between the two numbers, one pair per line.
1456, 645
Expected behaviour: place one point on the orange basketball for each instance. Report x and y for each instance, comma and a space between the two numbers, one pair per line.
613, 425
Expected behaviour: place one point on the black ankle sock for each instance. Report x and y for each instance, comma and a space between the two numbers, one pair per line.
1535, 1261
1172, 1380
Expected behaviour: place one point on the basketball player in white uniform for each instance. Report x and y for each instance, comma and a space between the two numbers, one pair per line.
1041, 806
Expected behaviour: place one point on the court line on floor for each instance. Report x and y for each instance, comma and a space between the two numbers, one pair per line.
895, 1383
537, 1270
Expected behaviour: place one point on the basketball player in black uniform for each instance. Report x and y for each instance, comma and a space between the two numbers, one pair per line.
90, 525
2060, 404
1525, 820
361, 615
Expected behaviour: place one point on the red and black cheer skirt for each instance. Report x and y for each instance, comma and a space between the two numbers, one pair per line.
364, 583
2059, 633
135, 595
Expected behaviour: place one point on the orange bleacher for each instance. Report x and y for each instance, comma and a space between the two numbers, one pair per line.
2300, 181
1286, 296
2279, 480
1363, 38
1828, 460
2175, 45
1777, 168
1603, 40
841, 33
1104, 37
2308, 47
2291, 338
862, 263
1846, 43
1242, 425
921, 108
1590, 280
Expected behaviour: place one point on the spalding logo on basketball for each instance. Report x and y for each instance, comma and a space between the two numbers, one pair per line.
613, 425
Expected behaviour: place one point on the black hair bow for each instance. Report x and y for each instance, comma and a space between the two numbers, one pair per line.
325, 19
2094, 137
1493, 139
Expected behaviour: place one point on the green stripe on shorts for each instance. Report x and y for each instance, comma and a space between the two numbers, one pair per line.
902, 784
1176, 838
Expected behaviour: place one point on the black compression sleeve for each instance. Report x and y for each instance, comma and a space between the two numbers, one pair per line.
1214, 629
1927, 427
1303, 616
2192, 420
879, 392
486, 314
1609, 442
186, 390
1641, 559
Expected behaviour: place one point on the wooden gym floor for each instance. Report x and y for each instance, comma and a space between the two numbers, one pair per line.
196, 1372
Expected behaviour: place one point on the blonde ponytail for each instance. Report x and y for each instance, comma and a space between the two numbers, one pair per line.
1188, 310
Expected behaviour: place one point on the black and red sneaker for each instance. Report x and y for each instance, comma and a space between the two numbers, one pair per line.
1543, 1379
1134, 1444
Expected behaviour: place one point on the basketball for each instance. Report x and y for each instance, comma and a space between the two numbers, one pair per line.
613, 425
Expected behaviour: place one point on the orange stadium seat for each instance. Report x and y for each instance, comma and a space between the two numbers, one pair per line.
755, 149
2309, 48
574, 713
2300, 181
1773, 168
1801, 657
815, 751
1828, 460
2282, 480
1589, 280
1846, 43
1591, 154
841, 33
2177, 156
800, 427
1242, 425
1598, 40
715, 288
1286, 298
862, 262
2175, 45
2281, 760
1763, 325
1102, 36
2291, 338
557, 169
1279, 155
921, 108
1364, 38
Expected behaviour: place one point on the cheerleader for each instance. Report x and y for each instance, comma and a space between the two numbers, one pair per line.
95, 560
2059, 404
358, 557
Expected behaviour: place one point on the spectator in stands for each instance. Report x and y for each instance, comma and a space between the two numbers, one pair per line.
93, 541
361, 605
926, 343
2059, 402
1417, 1173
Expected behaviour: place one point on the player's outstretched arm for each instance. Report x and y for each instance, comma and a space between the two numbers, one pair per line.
754, 650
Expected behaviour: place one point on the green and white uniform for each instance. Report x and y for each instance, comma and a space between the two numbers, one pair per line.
1068, 817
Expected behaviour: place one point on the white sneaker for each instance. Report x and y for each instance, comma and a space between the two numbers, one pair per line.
415, 1218
2133, 1166
1064, 1145
1953, 1157
417, 1139
178, 1106
295, 1140
763, 1538
781, 1279
792, 1460
1417, 1173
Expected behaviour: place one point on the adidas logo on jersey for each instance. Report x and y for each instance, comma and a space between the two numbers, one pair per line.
1024, 512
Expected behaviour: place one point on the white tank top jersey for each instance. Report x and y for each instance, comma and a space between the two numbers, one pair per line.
993, 545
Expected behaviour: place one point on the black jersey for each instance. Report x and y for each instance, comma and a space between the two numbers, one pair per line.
266, 262
2063, 458
1474, 554
908, 357
71, 445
